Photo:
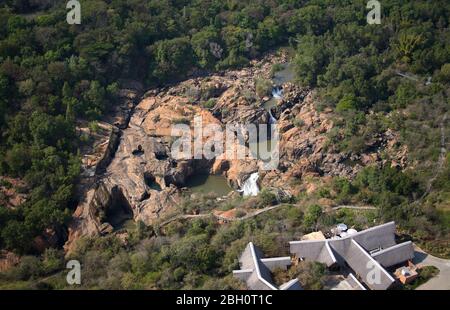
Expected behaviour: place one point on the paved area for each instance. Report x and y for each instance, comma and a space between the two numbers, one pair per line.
343, 286
442, 280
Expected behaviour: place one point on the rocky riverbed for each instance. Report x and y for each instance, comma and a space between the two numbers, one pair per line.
137, 177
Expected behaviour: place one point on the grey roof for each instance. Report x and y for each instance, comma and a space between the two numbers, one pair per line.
395, 254
328, 255
256, 271
314, 250
276, 262
354, 283
353, 250
291, 285
370, 271
381, 236
260, 278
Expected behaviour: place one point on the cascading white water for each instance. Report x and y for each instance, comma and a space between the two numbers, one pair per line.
272, 120
250, 187
277, 93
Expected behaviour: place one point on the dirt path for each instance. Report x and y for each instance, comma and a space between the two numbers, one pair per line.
183, 217
353, 208
253, 214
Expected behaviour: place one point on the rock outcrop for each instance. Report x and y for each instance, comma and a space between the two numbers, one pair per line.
8, 260
137, 177
10, 197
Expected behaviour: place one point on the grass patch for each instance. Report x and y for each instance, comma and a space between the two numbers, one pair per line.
436, 247
210, 103
263, 87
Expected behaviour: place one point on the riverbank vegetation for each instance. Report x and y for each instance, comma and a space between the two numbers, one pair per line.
188, 253
53, 75
374, 77
377, 78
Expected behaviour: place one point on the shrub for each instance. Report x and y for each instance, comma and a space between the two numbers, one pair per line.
295, 215
425, 274
324, 192
193, 93
53, 260
210, 103
276, 68
312, 215
263, 87
29, 267
156, 118
225, 112
357, 144
444, 74
311, 275
249, 96
347, 103
240, 213
182, 120
94, 127
344, 190
18, 159
267, 198
298, 122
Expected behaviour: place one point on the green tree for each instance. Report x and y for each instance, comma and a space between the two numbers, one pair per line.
314, 19
203, 43
18, 160
347, 103
16, 236
238, 43
310, 60
269, 33
312, 216
173, 58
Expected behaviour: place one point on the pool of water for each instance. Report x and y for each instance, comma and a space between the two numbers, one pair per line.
207, 183
285, 75
280, 77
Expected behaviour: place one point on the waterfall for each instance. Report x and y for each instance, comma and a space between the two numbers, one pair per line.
250, 187
272, 120
277, 93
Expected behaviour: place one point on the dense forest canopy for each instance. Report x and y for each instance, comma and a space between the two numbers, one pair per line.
52, 75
